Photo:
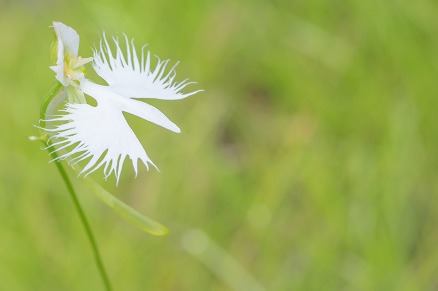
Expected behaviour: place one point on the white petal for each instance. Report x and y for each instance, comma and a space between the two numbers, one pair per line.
131, 77
68, 42
135, 107
68, 36
100, 133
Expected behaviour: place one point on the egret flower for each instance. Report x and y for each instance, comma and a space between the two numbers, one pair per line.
101, 134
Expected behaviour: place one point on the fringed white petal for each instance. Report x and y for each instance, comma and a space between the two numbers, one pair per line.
68, 42
100, 133
132, 77
134, 107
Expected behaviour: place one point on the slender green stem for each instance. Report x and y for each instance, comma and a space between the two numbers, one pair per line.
84, 222
48, 99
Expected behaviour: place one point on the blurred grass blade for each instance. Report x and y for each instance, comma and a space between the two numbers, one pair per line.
219, 261
134, 217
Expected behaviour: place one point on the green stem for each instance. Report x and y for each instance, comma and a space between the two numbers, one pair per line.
84, 222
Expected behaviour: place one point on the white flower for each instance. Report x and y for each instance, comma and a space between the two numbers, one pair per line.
101, 133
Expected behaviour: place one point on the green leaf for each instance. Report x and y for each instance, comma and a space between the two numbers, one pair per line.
134, 217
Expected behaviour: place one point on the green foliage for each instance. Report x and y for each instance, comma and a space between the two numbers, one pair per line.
309, 162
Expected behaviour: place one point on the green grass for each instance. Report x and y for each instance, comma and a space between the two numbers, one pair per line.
309, 162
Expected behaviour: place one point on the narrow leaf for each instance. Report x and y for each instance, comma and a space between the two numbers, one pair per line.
134, 217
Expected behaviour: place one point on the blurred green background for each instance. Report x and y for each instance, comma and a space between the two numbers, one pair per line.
309, 162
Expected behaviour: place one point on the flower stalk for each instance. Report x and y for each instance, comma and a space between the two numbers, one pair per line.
84, 221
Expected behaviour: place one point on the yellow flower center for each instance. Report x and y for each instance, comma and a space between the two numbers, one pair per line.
74, 67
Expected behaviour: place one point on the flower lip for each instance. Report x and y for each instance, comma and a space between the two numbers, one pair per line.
141, 109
